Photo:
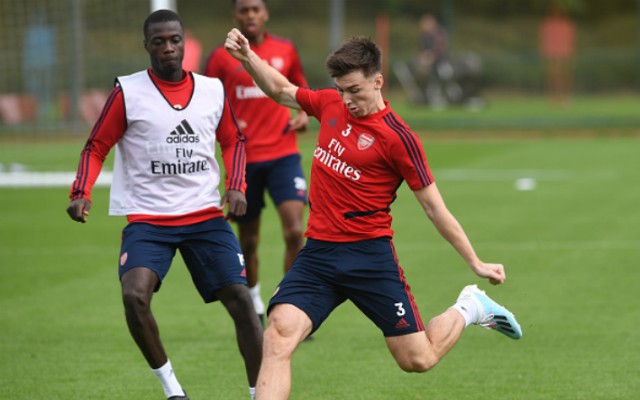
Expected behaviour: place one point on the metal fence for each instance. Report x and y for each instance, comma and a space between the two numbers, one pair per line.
60, 57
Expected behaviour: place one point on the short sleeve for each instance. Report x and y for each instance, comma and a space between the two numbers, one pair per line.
408, 156
313, 101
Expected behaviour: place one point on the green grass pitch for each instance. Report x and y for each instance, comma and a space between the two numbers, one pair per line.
571, 249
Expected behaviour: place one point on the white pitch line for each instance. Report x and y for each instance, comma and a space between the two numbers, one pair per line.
513, 174
47, 179
533, 246
64, 179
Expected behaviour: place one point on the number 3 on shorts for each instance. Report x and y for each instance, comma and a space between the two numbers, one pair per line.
401, 310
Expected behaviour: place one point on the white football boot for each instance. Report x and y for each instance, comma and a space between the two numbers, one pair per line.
492, 315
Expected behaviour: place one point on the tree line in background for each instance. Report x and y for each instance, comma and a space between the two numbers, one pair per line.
503, 33
92, 41
586, 9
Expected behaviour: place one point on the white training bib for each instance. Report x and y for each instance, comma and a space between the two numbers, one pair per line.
165, 162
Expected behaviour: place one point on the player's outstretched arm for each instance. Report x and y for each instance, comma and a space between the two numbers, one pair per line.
269, 79
431, 201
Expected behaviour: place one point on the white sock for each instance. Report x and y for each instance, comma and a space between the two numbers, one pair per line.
252, 392
257, 300
468, 309
168, 380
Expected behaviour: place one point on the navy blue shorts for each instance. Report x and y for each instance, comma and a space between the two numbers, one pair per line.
282, 177
209, 249
325, 274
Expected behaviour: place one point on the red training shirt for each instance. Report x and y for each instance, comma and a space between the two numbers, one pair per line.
268, 134
358, 164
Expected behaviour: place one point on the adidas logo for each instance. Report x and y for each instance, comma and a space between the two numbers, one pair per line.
402, 324
183, 134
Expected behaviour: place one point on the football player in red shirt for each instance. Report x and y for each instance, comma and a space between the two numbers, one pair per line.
273, 157
364, 153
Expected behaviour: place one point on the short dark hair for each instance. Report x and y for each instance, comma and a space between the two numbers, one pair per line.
161, 16
357, 53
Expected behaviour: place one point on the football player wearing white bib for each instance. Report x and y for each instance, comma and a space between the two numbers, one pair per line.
164, 123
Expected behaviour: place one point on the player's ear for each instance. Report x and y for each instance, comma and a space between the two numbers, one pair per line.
145, 44
378, 81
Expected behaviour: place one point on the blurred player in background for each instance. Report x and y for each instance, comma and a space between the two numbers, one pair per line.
164, 123
273, 157
364, 153
433, 43
557, 44
192, 52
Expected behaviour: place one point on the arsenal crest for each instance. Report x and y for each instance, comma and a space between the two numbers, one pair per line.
277, 63
365, 140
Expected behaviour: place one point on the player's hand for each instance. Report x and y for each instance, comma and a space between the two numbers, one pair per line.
300, 122
493, 272
237, 203
78, 209
237, 45
242, 124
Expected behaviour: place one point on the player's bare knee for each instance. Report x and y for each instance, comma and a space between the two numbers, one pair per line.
417, 364
282, 333
416, 367
293, 236
235, 298
278, 342
280, 328
421, 366
249, 244
135, 299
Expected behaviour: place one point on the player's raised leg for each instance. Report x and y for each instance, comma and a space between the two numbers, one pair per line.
288, 326
421, 351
